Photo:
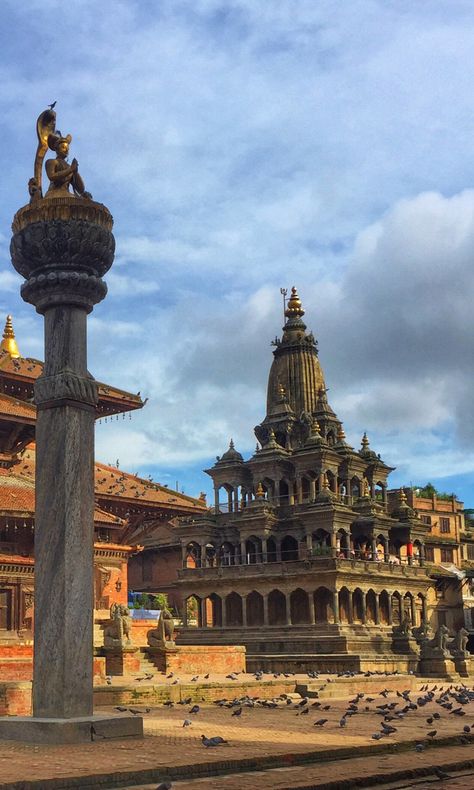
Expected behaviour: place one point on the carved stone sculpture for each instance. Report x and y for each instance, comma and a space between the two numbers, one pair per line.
162, 635
118, 631
458, 645
61, 175
438, 646
404, 629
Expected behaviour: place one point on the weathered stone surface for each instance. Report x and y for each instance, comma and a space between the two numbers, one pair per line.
74, 730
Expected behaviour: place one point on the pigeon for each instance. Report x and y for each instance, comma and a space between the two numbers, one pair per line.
343, 722
420, 747
52, 106
237, 712
135, 711
377, 736
466, 728
432, 733
206, 677
320, 722
195, 709
121, 709
303, 712
187, 723
195, 679
215, 741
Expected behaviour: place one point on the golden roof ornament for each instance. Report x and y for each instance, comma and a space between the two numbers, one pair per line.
260, 493
294, 308
402, 496
341, 434
8, 343
365, 442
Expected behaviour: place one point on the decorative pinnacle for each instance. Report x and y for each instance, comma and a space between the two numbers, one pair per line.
341, 435
281, 392
294, 308
260, 493
231, 445
325, 482
402, 496
316, 429
9, 343
365, 442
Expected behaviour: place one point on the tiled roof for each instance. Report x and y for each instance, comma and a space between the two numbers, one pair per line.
25, 370
113, 482
12, 407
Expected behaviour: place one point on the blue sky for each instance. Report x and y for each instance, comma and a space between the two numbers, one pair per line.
243, 146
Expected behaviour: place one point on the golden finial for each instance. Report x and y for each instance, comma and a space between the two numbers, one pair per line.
402, 496
365, 441
341, 435
315, 428
294, 308
325, 483
9, 343
260, 493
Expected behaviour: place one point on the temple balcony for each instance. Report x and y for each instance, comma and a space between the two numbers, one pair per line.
298, 567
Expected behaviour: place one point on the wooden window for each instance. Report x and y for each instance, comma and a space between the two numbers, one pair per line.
429, 553
426, 519
5, 609
446, 555
444, 525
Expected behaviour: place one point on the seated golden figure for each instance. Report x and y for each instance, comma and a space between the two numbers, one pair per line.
61, 174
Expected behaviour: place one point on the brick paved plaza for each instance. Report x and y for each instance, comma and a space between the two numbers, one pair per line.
266, 746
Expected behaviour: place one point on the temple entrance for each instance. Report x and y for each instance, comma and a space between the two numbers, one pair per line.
276, 608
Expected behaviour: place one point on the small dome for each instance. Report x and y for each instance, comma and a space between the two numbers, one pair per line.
231, 454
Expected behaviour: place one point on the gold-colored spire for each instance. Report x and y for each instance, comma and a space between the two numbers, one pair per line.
260, 493
402, 496
9, 343
341, 435
365, 441
294, 308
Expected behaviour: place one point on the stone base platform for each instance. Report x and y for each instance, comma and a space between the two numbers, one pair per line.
78, 730
198, 659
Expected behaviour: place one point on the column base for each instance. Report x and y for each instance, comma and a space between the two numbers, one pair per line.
97, 727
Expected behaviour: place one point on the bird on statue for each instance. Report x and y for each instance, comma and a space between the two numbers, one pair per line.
52, 106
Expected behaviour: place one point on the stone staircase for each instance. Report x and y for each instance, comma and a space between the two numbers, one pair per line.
146, 665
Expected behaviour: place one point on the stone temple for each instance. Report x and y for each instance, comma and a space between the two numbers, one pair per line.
302, 556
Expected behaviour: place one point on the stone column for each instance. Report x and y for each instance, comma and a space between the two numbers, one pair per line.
278, 549
333, 540
335, 606
63, 245
390, 615
309, 544
288, 608
312, 616
364, 608
386, 551
265, 609
183, 555
276, 492
299, 490
244, 611
203, 556
373, 547
216, 498
203, 623
243, 555
312, 490
264, 550
377, 610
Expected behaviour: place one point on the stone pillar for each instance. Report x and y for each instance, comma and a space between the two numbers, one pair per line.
203, 556
386, 550
312, 490
243, 555
377, 610
278, 549
364, 608
183, 555
216, 498
185, 613
276, 490
335, 606
333, 539
299, 490
422, 554
265, 609
390, 614
288, 608
264, 550
244, 611
236, 499
312, 616
63, 245
309, 545
203, 623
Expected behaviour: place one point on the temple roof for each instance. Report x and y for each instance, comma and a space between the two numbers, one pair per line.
18, 374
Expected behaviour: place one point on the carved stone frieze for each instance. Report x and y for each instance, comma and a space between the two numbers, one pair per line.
63, 287
66, 386
64, 244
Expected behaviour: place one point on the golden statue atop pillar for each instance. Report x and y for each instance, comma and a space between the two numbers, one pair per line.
62, 176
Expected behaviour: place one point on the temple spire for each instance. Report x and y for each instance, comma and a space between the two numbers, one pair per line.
8, 343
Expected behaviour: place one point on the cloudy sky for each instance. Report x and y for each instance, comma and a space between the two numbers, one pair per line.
246, 145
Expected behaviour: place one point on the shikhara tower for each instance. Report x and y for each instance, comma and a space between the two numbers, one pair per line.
300, 557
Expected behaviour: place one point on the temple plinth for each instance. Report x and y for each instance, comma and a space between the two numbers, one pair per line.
63, 244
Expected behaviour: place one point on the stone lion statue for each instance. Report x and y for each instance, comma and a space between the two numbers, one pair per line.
117, 632
163, 633
458, 645
438, 646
